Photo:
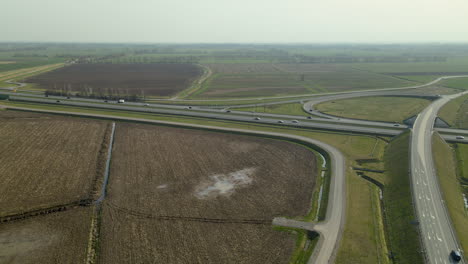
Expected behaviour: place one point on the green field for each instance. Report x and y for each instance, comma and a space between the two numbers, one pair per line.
450, 183
403, 236
390, 109
455, 112
459, 83
256, 80
287, 109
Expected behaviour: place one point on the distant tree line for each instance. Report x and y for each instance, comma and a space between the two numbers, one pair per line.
104, 94
368, 59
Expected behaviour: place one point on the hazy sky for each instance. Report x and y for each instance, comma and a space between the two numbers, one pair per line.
265, 21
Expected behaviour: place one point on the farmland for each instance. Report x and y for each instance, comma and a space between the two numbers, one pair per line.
119, 79
249, 80
36, 156
183, 184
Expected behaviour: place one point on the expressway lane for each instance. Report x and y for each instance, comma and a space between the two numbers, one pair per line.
436, 228
330, 229
244, 117
340, 125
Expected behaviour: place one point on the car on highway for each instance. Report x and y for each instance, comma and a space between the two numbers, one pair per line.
295, 121
228, 111
460, 137
280, 121
396, 125
455, 255
309, 117
58, 101
257, 118
121, 101
146, 104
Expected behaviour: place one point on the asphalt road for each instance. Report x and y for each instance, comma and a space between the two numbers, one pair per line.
385, 130
330, 230
435, 225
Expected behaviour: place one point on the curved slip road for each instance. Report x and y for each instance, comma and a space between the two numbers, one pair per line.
437, 233
330, 230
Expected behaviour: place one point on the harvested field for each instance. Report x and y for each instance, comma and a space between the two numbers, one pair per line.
48, 160
211, 196
54, 238
120, 79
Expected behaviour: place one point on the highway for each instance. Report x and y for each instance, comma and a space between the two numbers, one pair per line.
339, 125
330, 230
435, 225
437, 234
386, 130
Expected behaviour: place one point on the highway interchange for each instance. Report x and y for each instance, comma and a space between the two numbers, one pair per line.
436, 230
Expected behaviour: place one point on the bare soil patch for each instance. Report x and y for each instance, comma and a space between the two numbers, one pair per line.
120, 79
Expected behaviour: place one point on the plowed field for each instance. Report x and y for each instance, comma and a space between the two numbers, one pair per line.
188, 196
123, 79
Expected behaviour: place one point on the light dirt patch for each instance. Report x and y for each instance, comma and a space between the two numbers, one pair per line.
224, 184
53, 238
238, 146
7, 62
21, 242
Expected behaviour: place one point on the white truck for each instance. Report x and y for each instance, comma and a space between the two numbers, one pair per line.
121, 101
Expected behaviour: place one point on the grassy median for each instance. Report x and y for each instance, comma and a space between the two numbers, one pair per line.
403, 235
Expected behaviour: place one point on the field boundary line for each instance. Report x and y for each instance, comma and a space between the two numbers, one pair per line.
189, 218
45, 211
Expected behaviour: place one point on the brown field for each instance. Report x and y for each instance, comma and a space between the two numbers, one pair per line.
186, 196
123, 79
53, 238
47, 160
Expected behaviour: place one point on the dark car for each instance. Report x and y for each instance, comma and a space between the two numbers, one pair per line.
455, 255
58, 101
309, 117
